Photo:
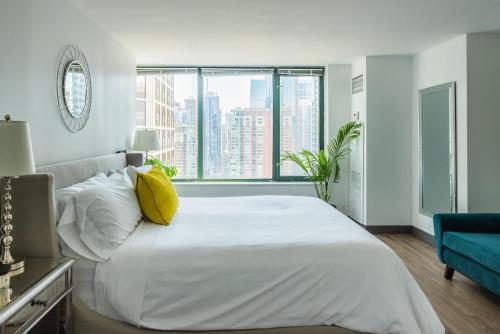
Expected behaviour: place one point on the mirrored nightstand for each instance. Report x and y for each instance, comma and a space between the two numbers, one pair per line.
35, 298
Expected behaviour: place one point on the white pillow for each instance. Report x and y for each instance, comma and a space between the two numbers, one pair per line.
64, 195
132, 172
102, 218
111, 171
69, 234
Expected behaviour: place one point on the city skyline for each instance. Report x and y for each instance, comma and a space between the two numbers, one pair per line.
237, 130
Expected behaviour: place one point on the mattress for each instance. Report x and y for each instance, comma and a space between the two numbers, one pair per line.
83, 276
260, 262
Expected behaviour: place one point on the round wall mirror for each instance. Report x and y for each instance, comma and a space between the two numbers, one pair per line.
74, 88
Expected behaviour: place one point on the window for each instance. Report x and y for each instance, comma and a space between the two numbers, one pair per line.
299, 117
167, 102
231, 123
237, 124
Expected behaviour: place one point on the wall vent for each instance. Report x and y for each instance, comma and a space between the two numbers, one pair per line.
357, 84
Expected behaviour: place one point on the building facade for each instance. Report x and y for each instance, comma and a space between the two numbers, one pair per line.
155, 110
249, 143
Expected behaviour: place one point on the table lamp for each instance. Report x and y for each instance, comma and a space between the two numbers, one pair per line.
17, 159
146, 140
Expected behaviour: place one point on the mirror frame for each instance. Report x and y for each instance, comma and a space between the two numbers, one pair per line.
450, 87
71, 54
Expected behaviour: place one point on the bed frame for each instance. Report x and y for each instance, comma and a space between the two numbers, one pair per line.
35, 236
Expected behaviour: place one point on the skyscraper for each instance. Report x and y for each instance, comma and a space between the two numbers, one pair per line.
299, 118
249, 143
212, 136
190, 105
289, 89
186, 142
258, 93
155, 110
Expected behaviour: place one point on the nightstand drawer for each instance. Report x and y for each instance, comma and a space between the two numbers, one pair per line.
39, 303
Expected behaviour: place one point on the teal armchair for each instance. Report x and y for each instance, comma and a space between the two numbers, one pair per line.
470, 244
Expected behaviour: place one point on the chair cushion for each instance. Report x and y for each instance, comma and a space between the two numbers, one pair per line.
484, 248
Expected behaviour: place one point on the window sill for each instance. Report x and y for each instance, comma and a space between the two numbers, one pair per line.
242, 183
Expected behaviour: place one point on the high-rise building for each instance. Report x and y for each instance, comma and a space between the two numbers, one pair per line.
261, 93
299, 118
258, 93
186, 141
191, 106
287, 139
249, 143
288, 89
185, 150
155, 110
212, 136
308, 113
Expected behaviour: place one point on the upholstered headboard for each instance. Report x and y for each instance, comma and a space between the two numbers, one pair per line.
34, 202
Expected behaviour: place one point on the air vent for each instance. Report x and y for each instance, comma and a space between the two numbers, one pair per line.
357, 84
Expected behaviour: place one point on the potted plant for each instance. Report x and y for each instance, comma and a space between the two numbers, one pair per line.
171, 171
323, 168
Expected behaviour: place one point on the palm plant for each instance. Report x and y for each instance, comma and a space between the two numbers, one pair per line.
323, 168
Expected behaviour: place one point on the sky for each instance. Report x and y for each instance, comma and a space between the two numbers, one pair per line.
233, 91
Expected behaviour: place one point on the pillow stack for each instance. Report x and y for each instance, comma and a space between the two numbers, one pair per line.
98, 215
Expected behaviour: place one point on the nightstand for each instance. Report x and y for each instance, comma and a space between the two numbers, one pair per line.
36, 298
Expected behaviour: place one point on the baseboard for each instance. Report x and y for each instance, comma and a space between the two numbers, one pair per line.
423, 236
399, 229
388, 229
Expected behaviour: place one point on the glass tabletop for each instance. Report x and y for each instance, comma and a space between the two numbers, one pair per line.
34, 271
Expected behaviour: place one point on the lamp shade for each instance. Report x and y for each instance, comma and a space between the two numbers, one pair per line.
16, 154
146, 140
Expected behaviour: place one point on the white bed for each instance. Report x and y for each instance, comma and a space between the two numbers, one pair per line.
258, 262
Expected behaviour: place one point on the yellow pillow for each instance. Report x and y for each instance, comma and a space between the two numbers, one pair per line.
157, 196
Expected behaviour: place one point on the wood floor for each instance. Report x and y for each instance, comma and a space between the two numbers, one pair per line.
462, 305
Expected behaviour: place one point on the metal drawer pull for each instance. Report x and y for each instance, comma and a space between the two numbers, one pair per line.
36, 302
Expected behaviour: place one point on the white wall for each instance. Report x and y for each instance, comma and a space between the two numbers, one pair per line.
483, 122
441, 64
337, 113
382, 154
357, 156
388, 140
32, 35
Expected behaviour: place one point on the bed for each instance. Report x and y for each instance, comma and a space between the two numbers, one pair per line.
263, 264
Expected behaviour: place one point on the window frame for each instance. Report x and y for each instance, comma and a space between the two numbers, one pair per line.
276, 128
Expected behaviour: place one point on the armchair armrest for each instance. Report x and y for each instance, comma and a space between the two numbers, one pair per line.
463, 222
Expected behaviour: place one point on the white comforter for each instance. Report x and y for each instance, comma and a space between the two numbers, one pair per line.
260, 262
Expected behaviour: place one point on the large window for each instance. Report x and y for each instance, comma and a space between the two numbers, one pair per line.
299, 117
231, 123
237, 124
167, 102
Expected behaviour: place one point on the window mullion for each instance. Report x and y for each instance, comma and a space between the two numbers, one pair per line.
200, 124
276, 124
321, 114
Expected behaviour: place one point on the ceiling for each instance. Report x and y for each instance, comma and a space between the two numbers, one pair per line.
284, 32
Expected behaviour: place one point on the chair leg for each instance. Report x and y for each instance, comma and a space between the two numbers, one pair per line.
448, 272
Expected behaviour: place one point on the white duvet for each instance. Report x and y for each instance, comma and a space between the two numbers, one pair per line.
260, 262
